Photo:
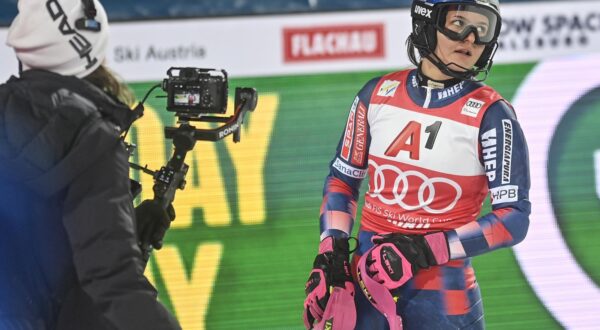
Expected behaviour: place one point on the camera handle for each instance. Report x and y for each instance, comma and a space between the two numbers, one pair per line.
172, 176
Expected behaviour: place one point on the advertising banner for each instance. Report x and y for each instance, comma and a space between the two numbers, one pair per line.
326, 42
247, 227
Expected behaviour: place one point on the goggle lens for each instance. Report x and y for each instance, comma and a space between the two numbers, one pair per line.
458, 21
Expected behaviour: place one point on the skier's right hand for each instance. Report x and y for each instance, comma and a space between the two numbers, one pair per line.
329, 289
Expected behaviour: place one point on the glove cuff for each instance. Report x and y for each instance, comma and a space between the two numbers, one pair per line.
326, 245
337, 245
334, 257
438, 244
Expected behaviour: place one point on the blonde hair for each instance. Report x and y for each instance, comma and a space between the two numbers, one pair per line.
106, 80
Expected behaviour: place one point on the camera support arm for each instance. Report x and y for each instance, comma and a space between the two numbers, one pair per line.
245, 100
172, 176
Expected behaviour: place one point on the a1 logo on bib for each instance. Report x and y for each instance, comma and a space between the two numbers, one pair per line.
472, 108
388, 88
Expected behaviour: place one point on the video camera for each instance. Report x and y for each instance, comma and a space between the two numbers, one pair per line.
193, 94
196, 91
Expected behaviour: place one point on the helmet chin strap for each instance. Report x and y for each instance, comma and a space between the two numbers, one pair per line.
465, 74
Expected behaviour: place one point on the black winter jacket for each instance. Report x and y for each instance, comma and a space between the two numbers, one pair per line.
66, 212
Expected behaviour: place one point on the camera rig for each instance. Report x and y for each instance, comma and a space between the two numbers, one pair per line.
192, 94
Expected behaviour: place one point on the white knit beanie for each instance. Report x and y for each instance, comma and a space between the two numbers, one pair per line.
44, 36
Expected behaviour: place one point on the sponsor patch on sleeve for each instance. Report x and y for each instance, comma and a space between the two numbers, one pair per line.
388, 88
349, 131
348, 170
360, 136
472, 108
507, 150
504, 194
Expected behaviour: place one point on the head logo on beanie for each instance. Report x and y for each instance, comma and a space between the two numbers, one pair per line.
80, 44
44, 36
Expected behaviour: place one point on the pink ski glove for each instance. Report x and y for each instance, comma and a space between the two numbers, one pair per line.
329, 289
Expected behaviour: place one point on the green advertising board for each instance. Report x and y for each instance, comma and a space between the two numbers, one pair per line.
247, 227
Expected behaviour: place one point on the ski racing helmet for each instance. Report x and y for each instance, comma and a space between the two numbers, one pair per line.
430, 17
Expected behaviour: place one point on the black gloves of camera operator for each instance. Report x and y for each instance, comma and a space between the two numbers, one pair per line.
152, 222
329, 289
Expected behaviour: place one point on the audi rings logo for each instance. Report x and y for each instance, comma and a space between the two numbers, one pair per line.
426, 194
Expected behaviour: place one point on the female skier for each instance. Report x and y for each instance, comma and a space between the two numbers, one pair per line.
434, 141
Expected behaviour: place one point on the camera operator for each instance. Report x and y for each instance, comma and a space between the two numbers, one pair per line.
67, 221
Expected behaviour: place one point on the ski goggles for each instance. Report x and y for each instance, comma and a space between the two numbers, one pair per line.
458, 21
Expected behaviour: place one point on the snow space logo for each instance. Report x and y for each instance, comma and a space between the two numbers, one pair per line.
569, 27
